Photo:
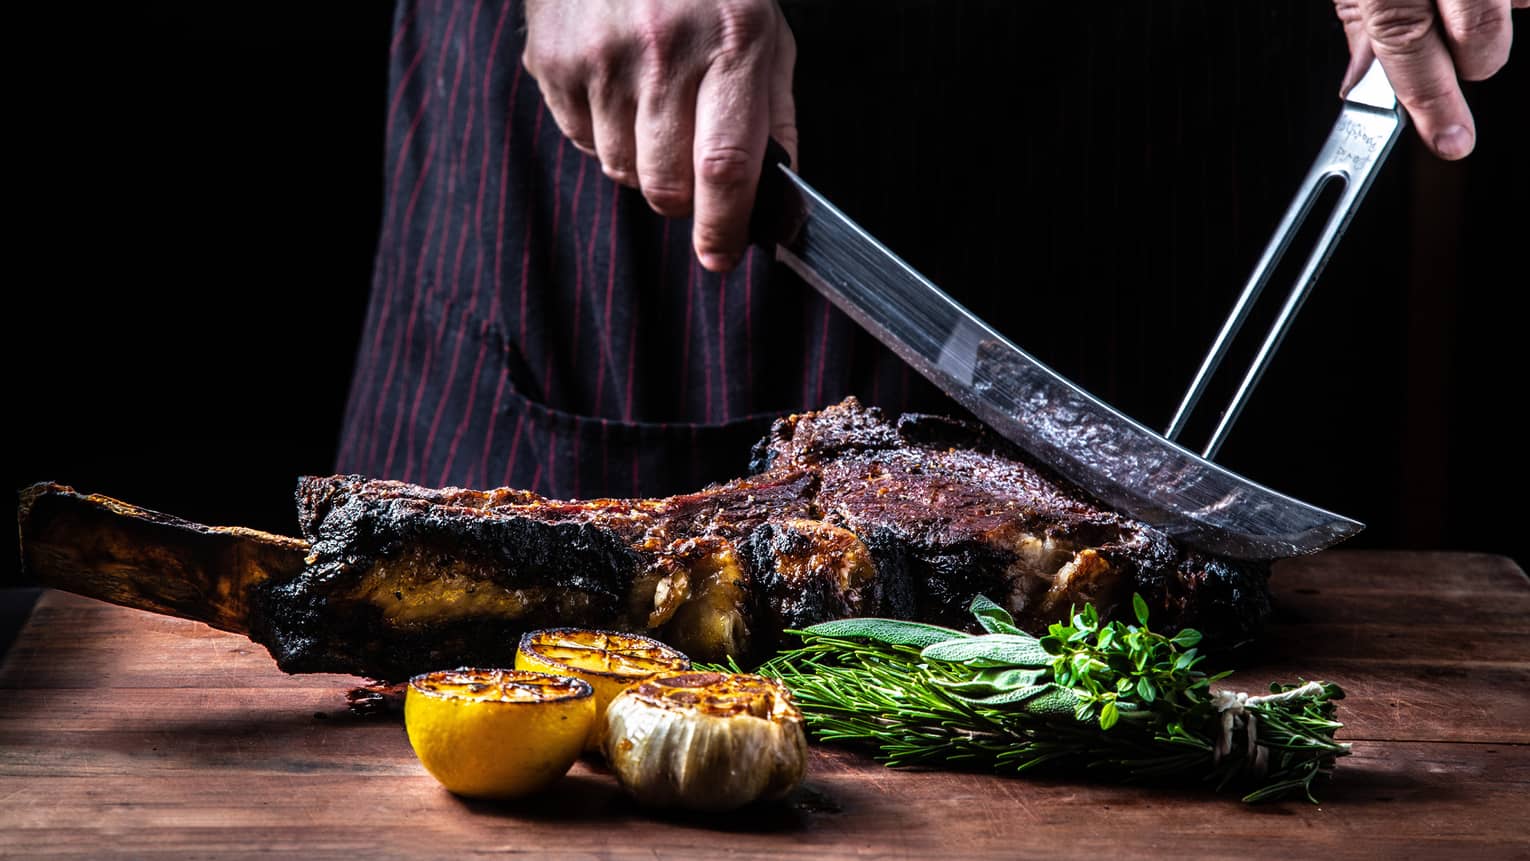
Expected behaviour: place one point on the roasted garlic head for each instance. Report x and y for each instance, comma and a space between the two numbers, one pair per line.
705, 741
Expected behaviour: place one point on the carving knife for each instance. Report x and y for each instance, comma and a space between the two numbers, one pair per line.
1119, 461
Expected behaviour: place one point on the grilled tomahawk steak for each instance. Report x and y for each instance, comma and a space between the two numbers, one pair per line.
846, 513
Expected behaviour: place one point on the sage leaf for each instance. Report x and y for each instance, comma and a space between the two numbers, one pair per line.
990, 650
993, 681
1058, 701
895, 632
1010, 697
993, 618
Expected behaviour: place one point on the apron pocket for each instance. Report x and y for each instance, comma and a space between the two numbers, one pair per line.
567, 456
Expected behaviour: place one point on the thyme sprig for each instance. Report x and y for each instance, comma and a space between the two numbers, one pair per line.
1114, 698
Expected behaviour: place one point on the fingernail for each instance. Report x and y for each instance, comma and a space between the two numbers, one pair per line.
718, 262
1453, 142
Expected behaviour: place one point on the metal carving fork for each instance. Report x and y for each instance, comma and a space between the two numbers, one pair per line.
1369, 124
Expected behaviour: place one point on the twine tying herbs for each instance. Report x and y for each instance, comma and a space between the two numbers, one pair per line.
1233, 707
1114, 699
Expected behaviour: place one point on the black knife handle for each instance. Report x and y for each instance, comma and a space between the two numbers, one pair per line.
778, 206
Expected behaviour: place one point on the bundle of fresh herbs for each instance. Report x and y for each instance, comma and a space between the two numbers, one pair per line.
1115, 698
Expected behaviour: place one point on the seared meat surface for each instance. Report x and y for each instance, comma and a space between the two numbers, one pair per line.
847, 514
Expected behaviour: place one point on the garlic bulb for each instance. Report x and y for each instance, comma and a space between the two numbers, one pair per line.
705, 741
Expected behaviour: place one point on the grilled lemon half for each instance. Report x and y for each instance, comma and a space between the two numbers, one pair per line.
497, 733
607, 660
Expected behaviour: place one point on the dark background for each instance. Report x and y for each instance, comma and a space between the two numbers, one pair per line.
203, 198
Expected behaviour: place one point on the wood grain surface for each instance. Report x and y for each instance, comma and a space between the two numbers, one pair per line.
128, 734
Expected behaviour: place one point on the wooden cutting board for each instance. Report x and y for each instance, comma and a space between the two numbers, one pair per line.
124, 733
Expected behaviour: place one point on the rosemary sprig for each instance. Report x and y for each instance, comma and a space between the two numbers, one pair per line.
1114, 698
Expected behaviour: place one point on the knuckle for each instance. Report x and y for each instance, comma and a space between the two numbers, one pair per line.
656, 79
1475, 24
1481, 32
1430, 99
601, 63
578, 135
551, 68
619, 173
541, 57
576, 131
742, 25
665, 196
725, 166
1400, 30
659, 44
605, 71
535, 61
1348, 11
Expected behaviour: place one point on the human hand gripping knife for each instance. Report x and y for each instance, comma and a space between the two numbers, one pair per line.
1124, 464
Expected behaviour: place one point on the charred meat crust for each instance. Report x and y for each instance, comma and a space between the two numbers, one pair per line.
958, 511
397, 581
846, 514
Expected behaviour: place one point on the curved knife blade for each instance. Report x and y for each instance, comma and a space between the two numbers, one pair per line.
1123, 463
